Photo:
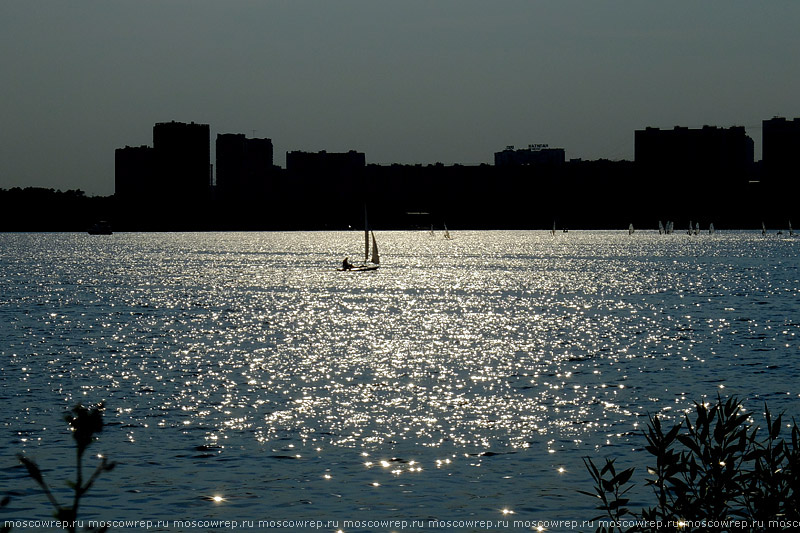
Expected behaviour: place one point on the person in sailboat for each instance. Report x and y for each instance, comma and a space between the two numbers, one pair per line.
346, 264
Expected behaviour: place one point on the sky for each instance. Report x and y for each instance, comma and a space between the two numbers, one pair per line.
412, 81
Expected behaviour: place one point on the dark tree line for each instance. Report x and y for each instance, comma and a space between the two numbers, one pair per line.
576, 195
40, 209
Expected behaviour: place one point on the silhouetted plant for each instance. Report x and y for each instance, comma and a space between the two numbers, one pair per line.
608, 487
709, 470
85, 423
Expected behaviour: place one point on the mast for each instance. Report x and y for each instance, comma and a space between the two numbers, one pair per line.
366, 235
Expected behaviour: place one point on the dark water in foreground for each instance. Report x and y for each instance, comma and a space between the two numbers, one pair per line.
464, 380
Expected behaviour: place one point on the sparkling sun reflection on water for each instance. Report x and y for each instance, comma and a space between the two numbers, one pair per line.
464, 378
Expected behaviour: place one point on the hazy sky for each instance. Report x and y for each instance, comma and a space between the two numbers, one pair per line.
411, 81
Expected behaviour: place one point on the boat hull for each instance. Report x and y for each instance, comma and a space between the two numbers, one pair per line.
362, 268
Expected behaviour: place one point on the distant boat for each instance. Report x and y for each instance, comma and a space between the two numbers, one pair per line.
791, 233
432, 233
371, 258
630, 229
100, 228
763, 229
711, 229
697, 228
553, 231
660, 228
689, 231
670, 227
446, 233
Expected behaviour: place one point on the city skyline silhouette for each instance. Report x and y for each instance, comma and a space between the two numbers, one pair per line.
707, 174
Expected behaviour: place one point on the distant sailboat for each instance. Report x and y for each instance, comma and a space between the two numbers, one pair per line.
447, 233
670, 227
660, 228
711, 229
630, 229
432, 233
689, 231
763, 229
791, 233
553, 231
371, 257
697, 228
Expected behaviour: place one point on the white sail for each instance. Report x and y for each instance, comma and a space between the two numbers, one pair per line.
697, 228
553, 232
763, 229
790, 229
375, 258
660, 228
630, 229
711, 229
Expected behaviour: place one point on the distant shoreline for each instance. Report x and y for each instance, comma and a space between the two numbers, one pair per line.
648, 230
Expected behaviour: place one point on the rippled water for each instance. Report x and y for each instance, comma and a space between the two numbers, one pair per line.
465, 379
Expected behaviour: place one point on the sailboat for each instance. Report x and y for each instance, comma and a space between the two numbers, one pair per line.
446, 233
371, 258
711, 229
660, 228
763, 229
630, 229
553, 231
791, 233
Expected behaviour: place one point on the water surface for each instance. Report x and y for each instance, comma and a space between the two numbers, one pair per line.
465, 379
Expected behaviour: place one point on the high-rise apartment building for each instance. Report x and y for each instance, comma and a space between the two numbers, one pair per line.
183, 160
710, 155
134, 168
780, 151
243, 166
